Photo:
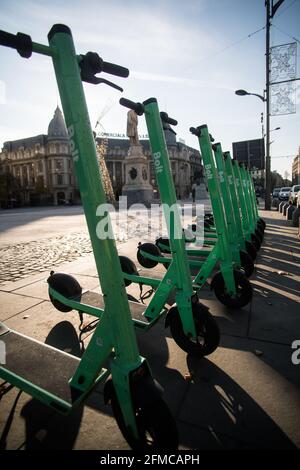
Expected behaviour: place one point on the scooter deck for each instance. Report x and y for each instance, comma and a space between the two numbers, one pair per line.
137, 310
39, 369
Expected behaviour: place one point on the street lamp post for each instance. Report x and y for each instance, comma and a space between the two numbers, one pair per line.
271, 8
268, 159
267, 175
268, 144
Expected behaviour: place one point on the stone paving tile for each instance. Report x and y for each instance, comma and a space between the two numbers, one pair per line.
34, 426
193, 437
236, 393
13, 304
280, 321
40, 319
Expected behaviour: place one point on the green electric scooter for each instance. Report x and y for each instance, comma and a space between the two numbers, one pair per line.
193, 328
58, 379
236, 244
230, 285
258, 224
251, 232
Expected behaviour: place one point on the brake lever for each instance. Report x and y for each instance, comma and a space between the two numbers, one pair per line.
95, 80
90, 64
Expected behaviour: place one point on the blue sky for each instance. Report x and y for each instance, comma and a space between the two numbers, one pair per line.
189, 54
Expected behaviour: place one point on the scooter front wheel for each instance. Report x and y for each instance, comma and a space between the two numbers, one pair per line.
157, 428
243, 290
208, 333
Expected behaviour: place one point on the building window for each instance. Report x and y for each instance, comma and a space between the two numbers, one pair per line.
59, 179
118, 173
49, 164
40, 167
59, 164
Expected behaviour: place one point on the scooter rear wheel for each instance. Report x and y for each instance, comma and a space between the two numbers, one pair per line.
128, 267
243, 288
161, 242
208, 333
152, 250
156, 426
251, 250
247, 263
259, 234
255, 240
65, 285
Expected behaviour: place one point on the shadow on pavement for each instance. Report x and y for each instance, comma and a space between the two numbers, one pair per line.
218, 404
41, 434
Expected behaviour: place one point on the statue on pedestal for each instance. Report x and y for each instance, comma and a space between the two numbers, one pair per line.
132, 123
137, 187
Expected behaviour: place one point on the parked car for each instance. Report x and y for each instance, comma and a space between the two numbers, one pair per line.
275, 193
284, 194
294, 193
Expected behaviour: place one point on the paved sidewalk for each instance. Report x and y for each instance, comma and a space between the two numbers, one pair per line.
245, 395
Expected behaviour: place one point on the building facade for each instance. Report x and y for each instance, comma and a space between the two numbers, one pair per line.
39, 170
296, 169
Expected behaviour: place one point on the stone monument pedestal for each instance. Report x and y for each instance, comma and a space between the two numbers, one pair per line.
201, 192
137, 187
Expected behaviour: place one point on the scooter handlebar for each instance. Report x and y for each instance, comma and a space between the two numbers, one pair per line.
195, 131
137, 107
115, 69
21, 42
164, 117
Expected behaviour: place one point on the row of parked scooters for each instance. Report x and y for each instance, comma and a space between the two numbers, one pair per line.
233, 235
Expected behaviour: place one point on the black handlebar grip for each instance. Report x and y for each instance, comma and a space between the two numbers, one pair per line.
137, 107
164, 117
8, 39
114, 69
21, 42
194, 131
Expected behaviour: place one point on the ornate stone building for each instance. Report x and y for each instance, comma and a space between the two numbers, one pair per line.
39, 170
